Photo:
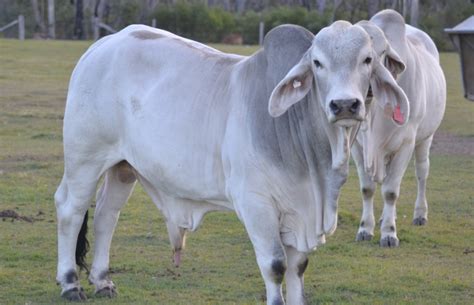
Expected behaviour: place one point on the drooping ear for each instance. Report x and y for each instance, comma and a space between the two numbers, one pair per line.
292, 88
393, 62
389, 95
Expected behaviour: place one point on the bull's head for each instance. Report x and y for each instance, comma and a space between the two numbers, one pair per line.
387, 106
343, 66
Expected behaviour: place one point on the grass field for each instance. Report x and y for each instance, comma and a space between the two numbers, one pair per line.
434, 264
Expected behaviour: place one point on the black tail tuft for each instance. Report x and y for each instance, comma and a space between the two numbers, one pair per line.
82, 246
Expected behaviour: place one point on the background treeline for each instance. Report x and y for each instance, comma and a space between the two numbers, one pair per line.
215, 20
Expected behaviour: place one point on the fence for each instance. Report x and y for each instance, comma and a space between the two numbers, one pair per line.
21, 26
97, 25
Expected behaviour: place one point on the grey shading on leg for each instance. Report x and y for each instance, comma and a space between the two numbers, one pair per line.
118, 184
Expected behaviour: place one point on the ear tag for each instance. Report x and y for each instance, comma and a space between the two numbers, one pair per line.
296, 84
398, 116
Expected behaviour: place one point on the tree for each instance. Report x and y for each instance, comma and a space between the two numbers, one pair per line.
372, 7
321, 6
79, 20
40, 27
51, 20
414, 13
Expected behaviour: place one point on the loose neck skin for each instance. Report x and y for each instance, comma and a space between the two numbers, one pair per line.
303, 144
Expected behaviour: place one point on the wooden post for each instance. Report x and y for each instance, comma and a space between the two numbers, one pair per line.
51, 21
261, 31
153, 22
21, 27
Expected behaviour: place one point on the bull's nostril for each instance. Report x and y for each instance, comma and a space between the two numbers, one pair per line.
334, 108
355, 106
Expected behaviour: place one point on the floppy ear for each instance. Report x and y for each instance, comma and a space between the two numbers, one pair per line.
292, 88
389, 95
393, 62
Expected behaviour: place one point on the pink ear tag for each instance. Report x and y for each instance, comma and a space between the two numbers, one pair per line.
398, 116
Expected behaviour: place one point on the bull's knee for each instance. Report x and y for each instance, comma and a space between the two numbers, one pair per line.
367, 192
390, 196
278, 270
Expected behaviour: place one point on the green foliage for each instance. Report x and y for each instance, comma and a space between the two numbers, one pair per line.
195, 21
248, 24
435, 22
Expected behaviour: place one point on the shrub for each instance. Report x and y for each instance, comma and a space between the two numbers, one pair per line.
195, 21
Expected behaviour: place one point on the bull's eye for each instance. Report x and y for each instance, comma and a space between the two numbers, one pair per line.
368, 60
317, 64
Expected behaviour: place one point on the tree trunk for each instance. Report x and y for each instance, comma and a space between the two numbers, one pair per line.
240, 6
405, 4
51, 20
306, 4
414, 13
40, 27
79, 20
321, 6
337, 4
373, 7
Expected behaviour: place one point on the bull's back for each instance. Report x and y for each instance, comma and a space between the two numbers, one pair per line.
429, 77
158, 101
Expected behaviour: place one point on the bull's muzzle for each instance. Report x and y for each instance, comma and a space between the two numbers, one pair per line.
346, 110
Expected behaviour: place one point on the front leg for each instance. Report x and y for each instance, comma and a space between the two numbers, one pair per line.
262, 224
297, 263
367, 188
390, 193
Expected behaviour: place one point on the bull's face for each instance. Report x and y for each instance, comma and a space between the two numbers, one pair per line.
343, 68
384, 107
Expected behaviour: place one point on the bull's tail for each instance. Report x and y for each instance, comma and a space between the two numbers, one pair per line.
82, 246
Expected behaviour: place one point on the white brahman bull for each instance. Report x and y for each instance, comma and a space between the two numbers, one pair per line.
383, 150
267, 136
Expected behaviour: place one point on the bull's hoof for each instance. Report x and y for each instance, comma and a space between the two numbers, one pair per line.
364, 235
389, 242
75, 294
419, 221
107, 292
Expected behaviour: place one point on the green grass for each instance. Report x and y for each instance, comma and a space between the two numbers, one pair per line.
219, 266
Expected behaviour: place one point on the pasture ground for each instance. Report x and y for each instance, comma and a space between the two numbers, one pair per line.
434, 264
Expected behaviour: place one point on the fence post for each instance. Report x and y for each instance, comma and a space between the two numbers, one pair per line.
21, 27
153, 22
261, 29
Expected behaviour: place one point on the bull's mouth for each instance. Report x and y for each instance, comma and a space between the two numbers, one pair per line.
347, 121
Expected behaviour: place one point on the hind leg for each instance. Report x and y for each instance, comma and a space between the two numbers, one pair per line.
113, 194
72, 201
422, 164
